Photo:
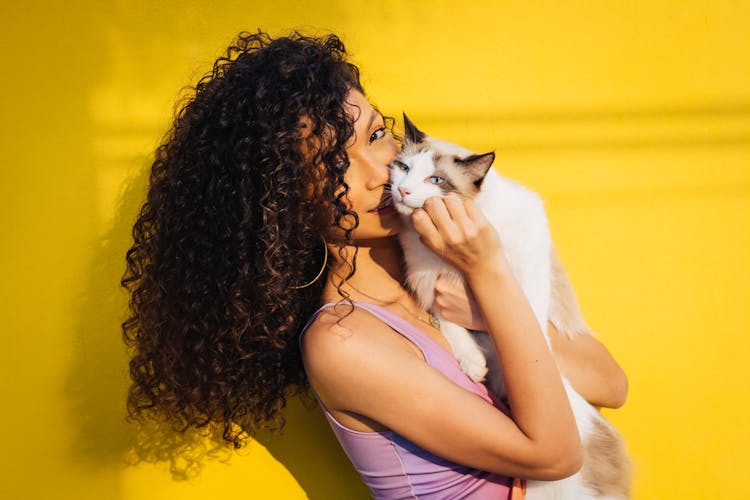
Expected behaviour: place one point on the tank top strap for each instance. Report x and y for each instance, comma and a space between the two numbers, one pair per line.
429, 347
434, 353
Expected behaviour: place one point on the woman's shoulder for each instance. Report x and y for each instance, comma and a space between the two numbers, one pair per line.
334, 325
341, 335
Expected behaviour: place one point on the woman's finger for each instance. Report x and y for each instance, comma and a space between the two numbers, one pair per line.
436, 209
463, 241
456, 303
473, 212
428, 232
455, 206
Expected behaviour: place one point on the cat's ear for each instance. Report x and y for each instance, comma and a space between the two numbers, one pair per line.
413, 134
477, 166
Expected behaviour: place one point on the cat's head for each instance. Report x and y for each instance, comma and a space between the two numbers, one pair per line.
429, 167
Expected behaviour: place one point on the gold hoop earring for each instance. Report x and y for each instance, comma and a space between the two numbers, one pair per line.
320, 273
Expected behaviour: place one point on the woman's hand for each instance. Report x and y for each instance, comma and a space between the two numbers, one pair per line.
458, 231
456, 304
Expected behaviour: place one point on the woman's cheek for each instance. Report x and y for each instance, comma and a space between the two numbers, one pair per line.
394, 150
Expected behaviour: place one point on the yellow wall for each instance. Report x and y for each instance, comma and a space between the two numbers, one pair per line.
631, 118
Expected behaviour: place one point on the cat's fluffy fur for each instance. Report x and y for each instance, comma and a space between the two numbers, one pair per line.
430, 167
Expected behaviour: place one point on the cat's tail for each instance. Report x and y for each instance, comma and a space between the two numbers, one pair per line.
607, 468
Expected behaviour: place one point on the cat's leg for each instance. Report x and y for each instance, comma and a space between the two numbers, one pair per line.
465, 350
494, 379
422, 268
422, 283
564, 311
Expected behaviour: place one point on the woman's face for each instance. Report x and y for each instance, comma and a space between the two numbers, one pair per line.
370, 151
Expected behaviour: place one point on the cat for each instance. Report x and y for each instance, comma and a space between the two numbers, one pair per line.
429, 167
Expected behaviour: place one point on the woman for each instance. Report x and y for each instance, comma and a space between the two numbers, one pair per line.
266, 200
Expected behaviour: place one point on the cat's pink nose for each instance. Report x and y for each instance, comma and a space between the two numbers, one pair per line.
403, 192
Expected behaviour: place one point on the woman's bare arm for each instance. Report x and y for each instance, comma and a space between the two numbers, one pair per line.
457, 230
358, 365
589, 366
583, 360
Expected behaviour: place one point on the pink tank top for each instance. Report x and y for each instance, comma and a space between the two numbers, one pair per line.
393, 467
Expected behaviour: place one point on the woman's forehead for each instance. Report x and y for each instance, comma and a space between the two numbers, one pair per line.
358, 106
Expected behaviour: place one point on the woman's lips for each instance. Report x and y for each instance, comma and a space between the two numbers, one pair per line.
390, 209
385, 208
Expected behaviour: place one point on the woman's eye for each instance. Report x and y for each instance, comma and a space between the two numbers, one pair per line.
378, 134
436, 180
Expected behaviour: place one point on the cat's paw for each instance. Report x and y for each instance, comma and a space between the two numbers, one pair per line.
475, 366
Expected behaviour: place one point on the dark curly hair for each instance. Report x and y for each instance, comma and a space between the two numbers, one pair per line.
247, 180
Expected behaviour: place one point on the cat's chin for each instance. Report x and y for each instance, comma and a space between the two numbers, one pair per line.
404, 209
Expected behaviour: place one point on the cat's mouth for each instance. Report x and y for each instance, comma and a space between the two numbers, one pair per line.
404, 206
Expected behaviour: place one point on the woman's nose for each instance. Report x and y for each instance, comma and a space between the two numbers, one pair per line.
403, 192
379, 174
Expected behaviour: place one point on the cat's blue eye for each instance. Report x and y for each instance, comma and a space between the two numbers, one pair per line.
403, 166
378, 134
436, 180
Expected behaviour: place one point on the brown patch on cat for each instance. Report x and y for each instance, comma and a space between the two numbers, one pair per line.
411, 148
411, 132
607, 469
477, 166
456, 181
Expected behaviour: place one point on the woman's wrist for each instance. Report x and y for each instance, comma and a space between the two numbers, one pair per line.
490, 270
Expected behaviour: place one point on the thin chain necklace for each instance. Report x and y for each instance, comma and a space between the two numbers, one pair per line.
433, 320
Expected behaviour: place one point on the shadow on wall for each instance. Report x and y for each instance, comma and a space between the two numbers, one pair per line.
309, 450
98, 381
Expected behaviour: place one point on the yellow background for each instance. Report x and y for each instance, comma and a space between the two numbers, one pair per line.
632, 119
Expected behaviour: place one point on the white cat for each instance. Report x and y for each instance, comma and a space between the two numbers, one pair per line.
430, 167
